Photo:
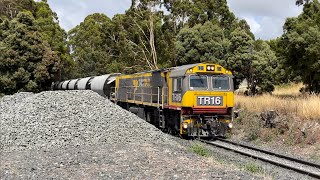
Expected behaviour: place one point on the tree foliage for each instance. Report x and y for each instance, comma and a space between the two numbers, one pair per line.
27, 61
251, 60
48, 25
300, 45
10, 8
202, 43
130, 42
142, 29
153, 34
146, 37
263, 68
248, 59
91, 45
33, 47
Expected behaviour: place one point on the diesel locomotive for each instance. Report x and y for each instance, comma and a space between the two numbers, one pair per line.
193, 100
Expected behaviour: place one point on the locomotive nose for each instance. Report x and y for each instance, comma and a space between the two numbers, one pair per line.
210, 103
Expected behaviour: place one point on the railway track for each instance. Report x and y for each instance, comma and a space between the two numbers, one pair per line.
304, 167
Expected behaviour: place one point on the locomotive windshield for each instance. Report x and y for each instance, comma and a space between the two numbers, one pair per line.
198, 82
221, 83
217, 83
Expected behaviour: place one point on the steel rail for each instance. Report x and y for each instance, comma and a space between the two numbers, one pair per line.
283, 165
272, 153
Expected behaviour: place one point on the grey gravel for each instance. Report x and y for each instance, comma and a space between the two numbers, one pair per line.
116, 161
55, 119
81, 135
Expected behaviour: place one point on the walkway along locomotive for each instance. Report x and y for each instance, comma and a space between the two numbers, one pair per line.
192, 100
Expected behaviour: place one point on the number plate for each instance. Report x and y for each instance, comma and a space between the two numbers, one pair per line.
209, 100
176, 97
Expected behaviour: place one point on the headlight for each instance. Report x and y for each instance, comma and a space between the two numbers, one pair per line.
210, 68
185, 125
230, 125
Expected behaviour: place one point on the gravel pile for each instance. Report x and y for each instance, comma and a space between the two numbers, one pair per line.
75, 118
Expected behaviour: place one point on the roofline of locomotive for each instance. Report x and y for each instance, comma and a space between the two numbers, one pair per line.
171, 68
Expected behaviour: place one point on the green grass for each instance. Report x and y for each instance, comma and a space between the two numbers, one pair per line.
315, 157
316, 154
199, 149
253, 168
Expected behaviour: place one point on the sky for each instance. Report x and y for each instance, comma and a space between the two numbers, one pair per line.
265, 17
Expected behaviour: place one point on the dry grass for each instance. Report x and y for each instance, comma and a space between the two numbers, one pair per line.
306, 108
288, 90
297, 124
285, 100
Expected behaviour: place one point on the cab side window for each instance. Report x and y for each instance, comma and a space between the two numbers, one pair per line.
177, 84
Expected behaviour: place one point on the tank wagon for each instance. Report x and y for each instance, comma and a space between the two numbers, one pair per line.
192, 100
100, 84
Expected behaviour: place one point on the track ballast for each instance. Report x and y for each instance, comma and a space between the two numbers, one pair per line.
301, 166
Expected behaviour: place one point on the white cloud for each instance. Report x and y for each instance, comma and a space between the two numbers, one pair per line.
272, 27
254, 25
265, 17
270, 15
72, 12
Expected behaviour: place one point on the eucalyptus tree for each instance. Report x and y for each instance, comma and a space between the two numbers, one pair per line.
142, 30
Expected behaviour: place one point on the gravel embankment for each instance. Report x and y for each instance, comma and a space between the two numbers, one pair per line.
80, 135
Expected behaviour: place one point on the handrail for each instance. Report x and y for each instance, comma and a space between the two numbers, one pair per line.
158, 97
162, 96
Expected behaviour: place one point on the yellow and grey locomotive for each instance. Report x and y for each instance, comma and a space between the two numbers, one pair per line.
192, 100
